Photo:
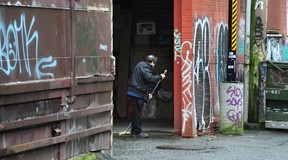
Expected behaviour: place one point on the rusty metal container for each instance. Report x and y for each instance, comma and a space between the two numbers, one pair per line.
276, 95
56, 69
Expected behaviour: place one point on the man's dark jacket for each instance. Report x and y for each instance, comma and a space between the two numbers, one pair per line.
142, 80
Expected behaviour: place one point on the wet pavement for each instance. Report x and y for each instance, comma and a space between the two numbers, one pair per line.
163, 144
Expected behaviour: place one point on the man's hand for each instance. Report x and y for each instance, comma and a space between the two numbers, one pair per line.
150, 96
162, 76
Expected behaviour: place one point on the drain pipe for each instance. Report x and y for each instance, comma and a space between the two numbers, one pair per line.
71, 98
247, 60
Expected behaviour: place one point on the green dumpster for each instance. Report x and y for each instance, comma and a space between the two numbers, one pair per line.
277, 95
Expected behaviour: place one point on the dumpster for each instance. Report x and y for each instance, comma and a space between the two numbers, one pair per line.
277, 95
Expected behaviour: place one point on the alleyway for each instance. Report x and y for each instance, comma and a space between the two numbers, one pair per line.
164, 145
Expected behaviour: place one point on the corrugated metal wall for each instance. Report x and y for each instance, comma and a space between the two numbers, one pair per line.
39, 119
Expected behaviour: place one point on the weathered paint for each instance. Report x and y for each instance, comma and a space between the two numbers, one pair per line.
36, 72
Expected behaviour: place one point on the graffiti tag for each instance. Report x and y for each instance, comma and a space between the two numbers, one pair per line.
235, 99
15, 49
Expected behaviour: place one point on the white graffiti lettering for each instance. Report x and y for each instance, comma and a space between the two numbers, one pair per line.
201, 72
259, 3
187, 76
15, 48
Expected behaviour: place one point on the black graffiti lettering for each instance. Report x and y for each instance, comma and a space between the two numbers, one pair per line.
201, 73
259, 31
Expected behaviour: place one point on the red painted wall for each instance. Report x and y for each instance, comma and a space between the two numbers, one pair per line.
177, 75
276, 16
200, 62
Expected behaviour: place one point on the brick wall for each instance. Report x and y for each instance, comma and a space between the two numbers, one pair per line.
204, 36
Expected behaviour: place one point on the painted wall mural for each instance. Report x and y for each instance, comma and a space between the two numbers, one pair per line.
16, 42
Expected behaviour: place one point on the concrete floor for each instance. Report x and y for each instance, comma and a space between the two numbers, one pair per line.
148, 125
163, 144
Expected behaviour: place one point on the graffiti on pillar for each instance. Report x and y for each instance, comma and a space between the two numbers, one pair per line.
221, 50
259, 3
202, 83
187, 77
259, 35
234, 101
231, 99
262, 88
177, 44
17, 39
196, 78
202, 71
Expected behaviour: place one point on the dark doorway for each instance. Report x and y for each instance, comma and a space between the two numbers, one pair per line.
141, 28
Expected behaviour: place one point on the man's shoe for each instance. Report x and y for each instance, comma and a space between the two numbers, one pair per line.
141, 135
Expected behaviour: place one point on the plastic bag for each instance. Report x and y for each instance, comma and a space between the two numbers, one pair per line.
164, 95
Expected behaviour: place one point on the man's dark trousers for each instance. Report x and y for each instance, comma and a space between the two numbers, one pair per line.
137, 108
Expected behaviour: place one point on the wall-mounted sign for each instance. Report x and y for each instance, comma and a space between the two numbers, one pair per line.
146, 28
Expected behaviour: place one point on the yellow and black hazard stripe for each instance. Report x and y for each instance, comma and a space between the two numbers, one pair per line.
233, 25
232, 44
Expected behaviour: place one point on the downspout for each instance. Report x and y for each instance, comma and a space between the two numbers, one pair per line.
71, 98
247, 60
